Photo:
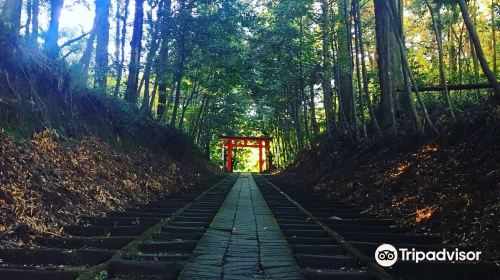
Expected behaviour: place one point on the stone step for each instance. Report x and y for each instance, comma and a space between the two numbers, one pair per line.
150, 246
306, 233
326, 262
317, 249
79, 257
38, 273
78, 230
322, 274
311, 241
121, 221
87, 242
144, 269
174, 229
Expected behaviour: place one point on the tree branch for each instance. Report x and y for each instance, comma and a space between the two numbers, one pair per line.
69, 42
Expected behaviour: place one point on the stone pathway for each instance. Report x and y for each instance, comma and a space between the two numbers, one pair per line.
243, 241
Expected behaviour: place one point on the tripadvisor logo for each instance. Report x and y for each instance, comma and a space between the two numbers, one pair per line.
387, 255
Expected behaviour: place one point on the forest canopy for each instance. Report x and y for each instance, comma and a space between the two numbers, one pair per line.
360, 70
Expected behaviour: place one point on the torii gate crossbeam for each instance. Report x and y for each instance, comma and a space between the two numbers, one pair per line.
231, 142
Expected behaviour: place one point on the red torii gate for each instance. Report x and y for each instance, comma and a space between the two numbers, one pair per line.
231, 142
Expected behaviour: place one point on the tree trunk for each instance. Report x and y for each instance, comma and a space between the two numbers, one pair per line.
29, 16
359, 35
35, 10
11, 15
358, 71
131, 94
50, 46
295, 117
102, 37
312, 110
162, 60
198, 117
493, 37
153, 48
116, 62
407, 73
327, 88
186, 104
120, 65
442, 70
153, 96
87, 55
178, 84
345, 68
479, 50
383, 31
184, 17
301, 81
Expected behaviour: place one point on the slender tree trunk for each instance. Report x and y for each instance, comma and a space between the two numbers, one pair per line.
184, 16
383, 31
153, 48
295, 117
358, 72
50, 46
312, 105
479, 50
29, 16
116, 62
474, 54
131, 94
120, 65
153, 96
198, 117
408, 74
494, 37
345, 68
327, 88
442, 70
33, 39
11, 15
162, 61
102, 37
178, 84
376, 126
87, 55
301, 80
186, 104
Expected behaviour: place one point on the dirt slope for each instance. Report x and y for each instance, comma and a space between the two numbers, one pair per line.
448, 186
46, 183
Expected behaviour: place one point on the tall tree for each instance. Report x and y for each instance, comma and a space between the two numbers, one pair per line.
161, 62
435, 17
364, 75
155, 40
327, 88
11, 15
87, 54
479, 50
384, 34
493, 35
35, 10
52, 36
102, 37
131, 93
345, 68
121, 61
183, 25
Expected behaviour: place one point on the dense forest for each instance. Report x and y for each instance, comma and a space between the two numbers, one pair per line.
383, 117
293, 70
